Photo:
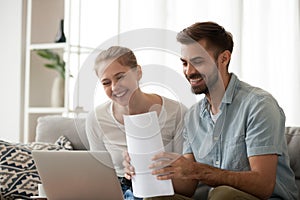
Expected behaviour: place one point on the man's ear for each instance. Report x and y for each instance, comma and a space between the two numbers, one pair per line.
224, 58
139, 72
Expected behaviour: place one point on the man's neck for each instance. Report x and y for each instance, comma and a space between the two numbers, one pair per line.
216, 93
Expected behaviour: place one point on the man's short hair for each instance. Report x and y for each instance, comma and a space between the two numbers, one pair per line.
217, 38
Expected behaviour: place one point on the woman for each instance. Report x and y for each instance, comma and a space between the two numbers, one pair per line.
119, 74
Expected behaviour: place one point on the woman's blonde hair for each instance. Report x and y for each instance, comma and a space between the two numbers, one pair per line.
122, 55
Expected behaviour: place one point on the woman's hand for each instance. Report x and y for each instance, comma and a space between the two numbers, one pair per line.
128, 168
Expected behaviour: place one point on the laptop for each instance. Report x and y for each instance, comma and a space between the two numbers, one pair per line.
77, 175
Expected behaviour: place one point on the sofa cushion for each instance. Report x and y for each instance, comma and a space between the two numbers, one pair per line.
293, 141
50, 127
18, 173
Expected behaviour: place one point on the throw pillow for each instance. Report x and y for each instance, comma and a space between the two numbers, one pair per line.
62, 143
18, 174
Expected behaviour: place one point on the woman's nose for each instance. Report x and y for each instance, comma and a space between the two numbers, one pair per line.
115, 85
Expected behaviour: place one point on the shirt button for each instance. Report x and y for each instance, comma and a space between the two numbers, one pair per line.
217, 162
216, 138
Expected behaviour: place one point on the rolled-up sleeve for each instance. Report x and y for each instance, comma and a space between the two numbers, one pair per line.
265, 127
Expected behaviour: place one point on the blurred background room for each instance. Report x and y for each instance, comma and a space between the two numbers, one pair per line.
266, 51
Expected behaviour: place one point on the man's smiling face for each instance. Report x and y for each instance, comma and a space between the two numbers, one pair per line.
199, 67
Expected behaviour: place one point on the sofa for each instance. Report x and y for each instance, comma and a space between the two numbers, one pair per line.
57, 132
49, 128
19, 177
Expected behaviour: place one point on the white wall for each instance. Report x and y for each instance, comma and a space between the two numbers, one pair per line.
10, 69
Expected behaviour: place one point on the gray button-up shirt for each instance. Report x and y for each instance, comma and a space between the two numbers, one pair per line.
251, 123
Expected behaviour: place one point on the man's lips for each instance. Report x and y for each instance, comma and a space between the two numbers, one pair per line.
195, 79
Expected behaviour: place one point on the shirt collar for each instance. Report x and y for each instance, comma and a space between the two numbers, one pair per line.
227, 98
203, 107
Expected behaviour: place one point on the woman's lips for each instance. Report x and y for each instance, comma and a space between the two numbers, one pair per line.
120, 94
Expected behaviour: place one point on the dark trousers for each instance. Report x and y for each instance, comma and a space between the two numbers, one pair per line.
126, 187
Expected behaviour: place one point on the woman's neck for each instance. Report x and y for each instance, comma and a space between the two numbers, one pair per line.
139, 103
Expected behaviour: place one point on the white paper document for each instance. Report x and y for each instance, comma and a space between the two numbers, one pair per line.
143, 142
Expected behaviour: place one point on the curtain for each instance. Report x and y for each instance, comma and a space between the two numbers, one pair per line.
270, 51
266, 38
266, 35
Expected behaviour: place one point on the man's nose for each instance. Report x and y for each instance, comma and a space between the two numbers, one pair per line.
190, 69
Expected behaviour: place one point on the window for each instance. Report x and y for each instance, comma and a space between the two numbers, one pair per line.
266, 36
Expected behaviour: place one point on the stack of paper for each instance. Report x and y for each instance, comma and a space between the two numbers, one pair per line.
144, 141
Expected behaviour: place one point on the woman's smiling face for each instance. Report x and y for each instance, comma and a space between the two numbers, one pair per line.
119, 82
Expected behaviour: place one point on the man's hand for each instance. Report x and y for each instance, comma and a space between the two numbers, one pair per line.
128, 168
171, 165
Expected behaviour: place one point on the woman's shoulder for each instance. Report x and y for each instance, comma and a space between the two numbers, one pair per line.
102, 110
170, 104
103, 106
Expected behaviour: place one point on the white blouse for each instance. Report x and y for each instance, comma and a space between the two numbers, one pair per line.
104, 132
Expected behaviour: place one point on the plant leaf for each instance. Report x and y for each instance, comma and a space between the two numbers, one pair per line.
51, 66
56, 62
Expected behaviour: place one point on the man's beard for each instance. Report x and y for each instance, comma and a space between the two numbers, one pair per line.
200, 90
204, 89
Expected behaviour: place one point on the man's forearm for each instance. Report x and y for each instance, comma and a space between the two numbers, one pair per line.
248, 181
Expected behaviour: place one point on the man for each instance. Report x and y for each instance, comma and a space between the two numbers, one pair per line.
234, 137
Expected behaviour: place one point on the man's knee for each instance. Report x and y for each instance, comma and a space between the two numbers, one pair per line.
227, 192
173, 197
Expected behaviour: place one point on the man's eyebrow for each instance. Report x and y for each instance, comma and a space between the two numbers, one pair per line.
196, 58
192, 59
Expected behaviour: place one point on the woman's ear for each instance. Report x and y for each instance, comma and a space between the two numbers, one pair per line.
139, 72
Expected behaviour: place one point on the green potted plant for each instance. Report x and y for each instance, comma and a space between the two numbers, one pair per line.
56, 62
